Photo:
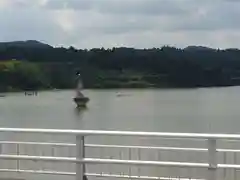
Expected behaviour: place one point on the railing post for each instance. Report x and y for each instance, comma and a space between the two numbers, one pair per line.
212, 159
80, 154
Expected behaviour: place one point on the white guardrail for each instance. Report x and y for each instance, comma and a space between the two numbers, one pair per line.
81, 161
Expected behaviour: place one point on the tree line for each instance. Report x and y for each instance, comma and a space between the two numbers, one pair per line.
32, 67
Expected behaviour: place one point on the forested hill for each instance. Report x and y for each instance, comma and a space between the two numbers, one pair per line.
26, 65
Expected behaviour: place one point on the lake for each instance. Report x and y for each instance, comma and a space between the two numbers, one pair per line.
214, 110
203, 110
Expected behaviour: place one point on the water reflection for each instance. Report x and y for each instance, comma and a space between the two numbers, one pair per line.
79, 111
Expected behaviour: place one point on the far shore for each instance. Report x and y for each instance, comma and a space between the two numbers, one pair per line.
111, 88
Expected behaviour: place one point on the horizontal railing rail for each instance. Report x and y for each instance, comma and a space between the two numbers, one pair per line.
164, 148
125, 133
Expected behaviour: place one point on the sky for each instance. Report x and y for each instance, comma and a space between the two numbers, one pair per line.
118, 23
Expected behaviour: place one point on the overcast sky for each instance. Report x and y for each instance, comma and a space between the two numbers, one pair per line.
132, 23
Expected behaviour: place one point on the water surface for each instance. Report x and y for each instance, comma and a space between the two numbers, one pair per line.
214, 110
204, 110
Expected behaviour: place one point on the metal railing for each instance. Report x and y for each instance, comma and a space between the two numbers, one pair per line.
81, 161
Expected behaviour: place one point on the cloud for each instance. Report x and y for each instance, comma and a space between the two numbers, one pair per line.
4, 4
22, 3
69, 4
137, 23
219, 16
123, 7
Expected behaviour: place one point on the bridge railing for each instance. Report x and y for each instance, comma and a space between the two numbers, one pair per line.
81, 161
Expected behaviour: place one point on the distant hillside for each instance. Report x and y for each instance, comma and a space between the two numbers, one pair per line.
39, 66
24, 44
198, 48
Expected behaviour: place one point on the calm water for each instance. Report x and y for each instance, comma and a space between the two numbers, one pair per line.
190, 110
206, 110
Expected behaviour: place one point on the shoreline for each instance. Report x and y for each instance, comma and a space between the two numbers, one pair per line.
114, 88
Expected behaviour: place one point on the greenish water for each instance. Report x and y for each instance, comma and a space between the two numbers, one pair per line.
185, 110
